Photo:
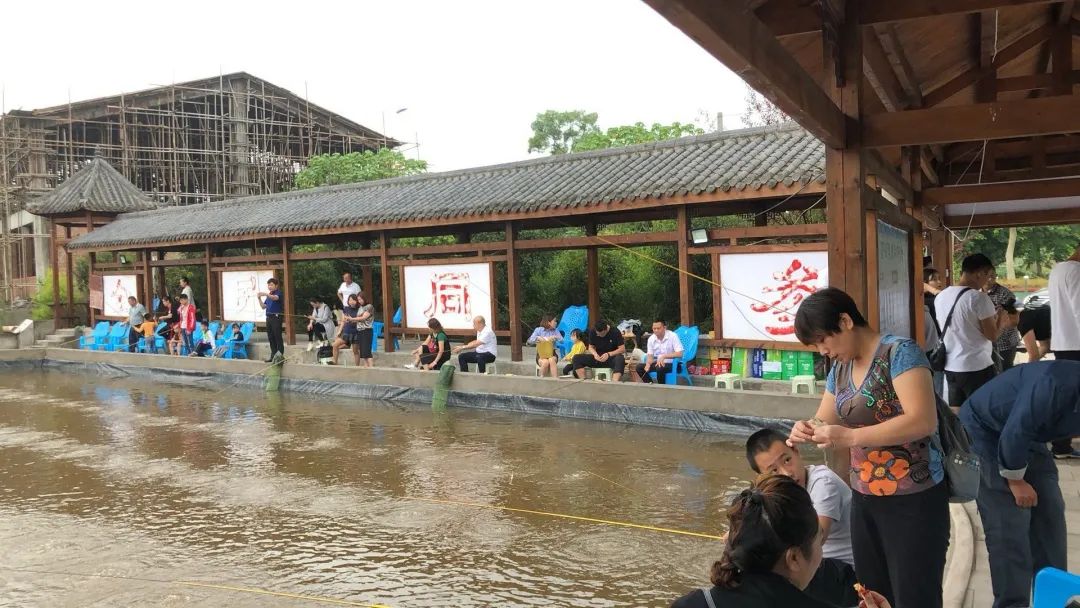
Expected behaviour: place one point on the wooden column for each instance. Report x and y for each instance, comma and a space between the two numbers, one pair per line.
717, 298
513, 280
54, 262
941, 253
288, 308
592, 277
70, 274
91, 313
845, 171
387, 293
918, 319
686, 284
148, 281
872, 312
208, 251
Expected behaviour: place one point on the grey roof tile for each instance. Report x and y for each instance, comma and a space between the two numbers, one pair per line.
732, 160
96, 187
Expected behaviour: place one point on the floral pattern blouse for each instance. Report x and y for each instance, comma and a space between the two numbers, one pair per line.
884, 471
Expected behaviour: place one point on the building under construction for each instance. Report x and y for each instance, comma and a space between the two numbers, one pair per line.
221, 137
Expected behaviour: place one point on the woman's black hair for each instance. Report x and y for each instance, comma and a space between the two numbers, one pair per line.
928, 273
765, 521
434, 325
581, 334
352, 296
819, 315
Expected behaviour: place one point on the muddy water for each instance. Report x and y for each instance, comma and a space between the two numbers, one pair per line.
134, 486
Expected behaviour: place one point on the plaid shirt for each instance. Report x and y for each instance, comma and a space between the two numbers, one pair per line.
1009, 338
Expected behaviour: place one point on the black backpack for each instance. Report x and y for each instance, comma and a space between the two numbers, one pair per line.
938, 356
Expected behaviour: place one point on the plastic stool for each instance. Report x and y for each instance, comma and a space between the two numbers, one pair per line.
491, 370
1054, 587
729, 381
602, 373
809, 382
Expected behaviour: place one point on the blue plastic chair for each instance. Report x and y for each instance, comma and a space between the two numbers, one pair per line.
574, 317
1054, 588
397, 317
214, 326
238, 348
377, 334
96, 338
689, 337
118, 338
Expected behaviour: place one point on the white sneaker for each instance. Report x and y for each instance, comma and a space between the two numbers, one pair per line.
310, 346
409, 366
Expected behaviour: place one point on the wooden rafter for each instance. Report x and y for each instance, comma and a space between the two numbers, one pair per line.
1040, 217
741, 42
890, 43
1005, 191
880, 74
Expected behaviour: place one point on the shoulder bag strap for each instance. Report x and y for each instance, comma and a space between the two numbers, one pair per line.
948, 319
708, 597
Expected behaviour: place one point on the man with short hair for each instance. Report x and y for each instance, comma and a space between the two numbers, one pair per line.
274, 304
136, 316
663, 346
969, 336
1010, 419
606, 349
767, 451
484, 348
1065, 318
347, 288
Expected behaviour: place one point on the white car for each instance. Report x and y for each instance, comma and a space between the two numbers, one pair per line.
1037, 299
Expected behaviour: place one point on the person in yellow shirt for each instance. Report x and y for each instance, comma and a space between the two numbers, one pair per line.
579, 348
148, 327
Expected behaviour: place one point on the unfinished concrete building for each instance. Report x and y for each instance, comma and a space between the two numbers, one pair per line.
221, 137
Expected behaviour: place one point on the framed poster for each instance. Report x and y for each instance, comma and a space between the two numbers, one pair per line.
239, 301
116, 289
452, 293
761, 292
894, 280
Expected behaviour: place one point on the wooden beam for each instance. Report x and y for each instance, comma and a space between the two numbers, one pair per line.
1004, 56
1034, 81
745, 45
776, 230
387, 293
926, 164
1062, 53
888, 175
513, 284
1005, 191
717, 296
780, 248
791, 17
1044, 217
91, 271
607, 240
54, 263
873, 302
894, 51
881, 75
995, 120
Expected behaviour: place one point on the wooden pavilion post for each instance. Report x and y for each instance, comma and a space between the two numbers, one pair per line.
287, 307
161, 286
387, 293
941, 253
592, 277
53, 261
514, 290
717, 298
70, 273
91, 312
686, 285
148, 281
846, 215
208, 252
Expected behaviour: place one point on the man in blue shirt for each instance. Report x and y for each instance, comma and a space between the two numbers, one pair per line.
1010, 419
273, 302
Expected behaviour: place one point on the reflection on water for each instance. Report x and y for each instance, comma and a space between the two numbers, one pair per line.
311, 495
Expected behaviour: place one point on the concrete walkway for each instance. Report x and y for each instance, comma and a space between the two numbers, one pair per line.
977, 592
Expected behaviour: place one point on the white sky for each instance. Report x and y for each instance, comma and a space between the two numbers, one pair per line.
473, 74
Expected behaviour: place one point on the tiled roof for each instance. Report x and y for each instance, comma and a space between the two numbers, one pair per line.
755, 159
96, 187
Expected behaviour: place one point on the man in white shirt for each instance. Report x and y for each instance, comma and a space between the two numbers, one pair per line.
767, 451
347, 288
1065, 319
483, 348
970, 334
663, 346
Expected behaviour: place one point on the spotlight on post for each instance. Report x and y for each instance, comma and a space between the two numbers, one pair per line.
699, 236
123, 259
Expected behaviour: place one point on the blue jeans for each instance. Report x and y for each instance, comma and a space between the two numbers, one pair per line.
189, 341
1022, 541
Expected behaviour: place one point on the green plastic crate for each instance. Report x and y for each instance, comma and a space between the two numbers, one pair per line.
790, 364
806, 363
740, 362
773, 367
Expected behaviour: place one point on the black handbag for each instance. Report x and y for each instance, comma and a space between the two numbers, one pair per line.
962, 467
938, 356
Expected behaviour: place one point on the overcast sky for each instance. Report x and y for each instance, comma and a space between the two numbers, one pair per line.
473, 73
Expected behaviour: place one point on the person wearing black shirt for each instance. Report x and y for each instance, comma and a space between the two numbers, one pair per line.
1034, 328
606, 349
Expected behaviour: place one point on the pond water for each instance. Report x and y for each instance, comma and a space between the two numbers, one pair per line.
111, 490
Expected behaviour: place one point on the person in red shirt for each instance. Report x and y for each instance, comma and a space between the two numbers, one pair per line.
187, 322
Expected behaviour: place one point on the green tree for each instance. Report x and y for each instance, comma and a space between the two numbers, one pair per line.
1036, 247
332, 169
637, 133
555, 132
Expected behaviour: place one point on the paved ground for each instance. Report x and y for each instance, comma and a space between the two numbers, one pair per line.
979, 594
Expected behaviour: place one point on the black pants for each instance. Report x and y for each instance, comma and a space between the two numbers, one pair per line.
964, 384
661, 373
1064, 445
616, 363
480, 359
899, 543
430, 357
1022, 541
1008, 358
273, 333
133, 339
834, 583
364, 338
317, 332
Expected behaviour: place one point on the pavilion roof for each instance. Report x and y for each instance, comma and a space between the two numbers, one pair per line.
96, 187
758, 159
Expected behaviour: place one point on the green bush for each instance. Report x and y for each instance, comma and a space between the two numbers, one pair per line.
42, 307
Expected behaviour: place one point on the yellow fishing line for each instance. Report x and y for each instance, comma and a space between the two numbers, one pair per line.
594, 520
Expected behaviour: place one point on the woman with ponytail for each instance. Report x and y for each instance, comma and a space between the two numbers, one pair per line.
773, 549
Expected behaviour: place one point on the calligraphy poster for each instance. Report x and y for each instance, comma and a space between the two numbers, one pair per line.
894, 280
452, 293
761, 292
117, 288
239, 295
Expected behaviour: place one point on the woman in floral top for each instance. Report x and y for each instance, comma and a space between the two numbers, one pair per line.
879, 404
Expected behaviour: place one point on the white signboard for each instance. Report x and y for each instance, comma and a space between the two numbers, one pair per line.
238, 294
761, 292
451, 293
117, 289
894, 281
